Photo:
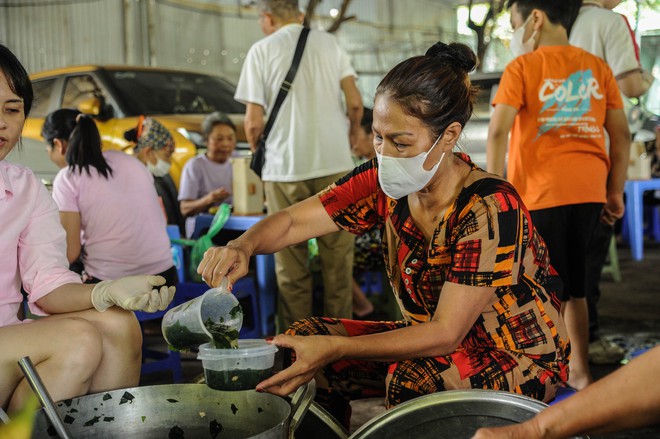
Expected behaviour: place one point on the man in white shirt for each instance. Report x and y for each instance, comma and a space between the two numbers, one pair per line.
307, 148
606, 34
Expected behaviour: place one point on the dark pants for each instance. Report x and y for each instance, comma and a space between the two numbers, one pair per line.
598, 250
568, 234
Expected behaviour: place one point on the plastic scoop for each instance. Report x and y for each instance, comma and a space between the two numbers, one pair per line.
215, 317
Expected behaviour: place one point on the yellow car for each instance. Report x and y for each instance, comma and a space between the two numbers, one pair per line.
116, 96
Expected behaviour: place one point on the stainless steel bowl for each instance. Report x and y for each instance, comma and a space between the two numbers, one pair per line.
453, 414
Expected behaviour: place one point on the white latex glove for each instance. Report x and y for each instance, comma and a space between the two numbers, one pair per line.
134, 293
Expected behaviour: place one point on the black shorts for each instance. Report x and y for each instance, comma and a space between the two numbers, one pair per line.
567, 232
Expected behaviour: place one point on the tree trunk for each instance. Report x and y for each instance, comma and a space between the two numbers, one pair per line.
484, 29
336, 23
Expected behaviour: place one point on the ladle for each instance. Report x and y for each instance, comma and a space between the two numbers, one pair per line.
39, 389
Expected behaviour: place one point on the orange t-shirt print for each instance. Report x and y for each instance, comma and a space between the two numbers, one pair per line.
557, 153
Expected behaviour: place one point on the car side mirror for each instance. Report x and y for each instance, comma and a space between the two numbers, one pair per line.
95, 107
91, 106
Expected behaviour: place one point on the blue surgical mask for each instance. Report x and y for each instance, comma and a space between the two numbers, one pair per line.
401, 176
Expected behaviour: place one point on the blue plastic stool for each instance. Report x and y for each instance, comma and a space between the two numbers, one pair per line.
651, 226
633, 224
245, 290
372, 282
154, 360
654, 223
563, 393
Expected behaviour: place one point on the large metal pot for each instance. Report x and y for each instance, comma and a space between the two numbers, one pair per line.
179, 411
452, 414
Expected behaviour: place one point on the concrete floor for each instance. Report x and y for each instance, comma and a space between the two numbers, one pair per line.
630, 316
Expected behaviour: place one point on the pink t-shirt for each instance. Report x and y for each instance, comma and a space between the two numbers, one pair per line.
32, 242
123, 227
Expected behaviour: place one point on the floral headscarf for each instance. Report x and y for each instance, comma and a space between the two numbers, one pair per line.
152, 133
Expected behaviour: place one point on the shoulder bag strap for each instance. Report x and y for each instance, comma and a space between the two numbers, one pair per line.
286, 84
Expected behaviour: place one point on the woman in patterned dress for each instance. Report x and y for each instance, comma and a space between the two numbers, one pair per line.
469, 271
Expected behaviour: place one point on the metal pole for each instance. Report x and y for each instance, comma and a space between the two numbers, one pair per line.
38, 387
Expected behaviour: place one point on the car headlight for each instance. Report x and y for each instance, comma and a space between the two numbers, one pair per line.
195, 137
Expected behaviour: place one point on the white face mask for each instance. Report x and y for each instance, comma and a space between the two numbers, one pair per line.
517, 46
401, 176
160, 169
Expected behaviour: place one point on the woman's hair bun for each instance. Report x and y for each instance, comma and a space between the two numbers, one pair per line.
457, 54
131, 135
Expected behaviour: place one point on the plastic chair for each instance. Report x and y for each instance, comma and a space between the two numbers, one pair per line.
155, 360
244, 289
563, 393
202, 225
654, 226
651, 224
633, 229
372, 282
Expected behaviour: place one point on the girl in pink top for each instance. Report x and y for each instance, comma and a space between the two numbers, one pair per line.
76, 349
108, 203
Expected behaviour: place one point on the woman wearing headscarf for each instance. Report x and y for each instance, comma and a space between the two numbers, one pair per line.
154, 147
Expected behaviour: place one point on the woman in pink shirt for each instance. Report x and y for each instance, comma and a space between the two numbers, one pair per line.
108, 203
76, 348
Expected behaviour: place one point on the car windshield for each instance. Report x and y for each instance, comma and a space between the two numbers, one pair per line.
163, 92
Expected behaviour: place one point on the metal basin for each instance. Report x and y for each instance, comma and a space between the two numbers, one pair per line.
453, 414
179, 411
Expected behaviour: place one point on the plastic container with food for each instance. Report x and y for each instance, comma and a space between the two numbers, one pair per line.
237, 369
216, 317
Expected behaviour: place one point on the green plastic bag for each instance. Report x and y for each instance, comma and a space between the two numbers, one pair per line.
204, 242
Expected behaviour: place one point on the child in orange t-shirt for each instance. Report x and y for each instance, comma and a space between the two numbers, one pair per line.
557, 100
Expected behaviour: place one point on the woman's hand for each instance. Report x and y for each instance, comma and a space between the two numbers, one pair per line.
134, 293
216, 196
312, 353
231, 261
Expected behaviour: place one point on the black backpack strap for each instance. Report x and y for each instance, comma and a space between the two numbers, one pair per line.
286, 84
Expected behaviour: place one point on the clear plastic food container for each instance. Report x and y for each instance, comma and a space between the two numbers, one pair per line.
237, 369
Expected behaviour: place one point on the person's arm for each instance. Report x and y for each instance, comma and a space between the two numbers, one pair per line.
635, 83
627, 398
55, 289
354, 108
498, 137
193, 207
135, 293
67, 298
298, 223
458, 309
617, 128
254, 123
71, 223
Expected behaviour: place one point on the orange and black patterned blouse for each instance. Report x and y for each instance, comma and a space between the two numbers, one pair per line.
484, 239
